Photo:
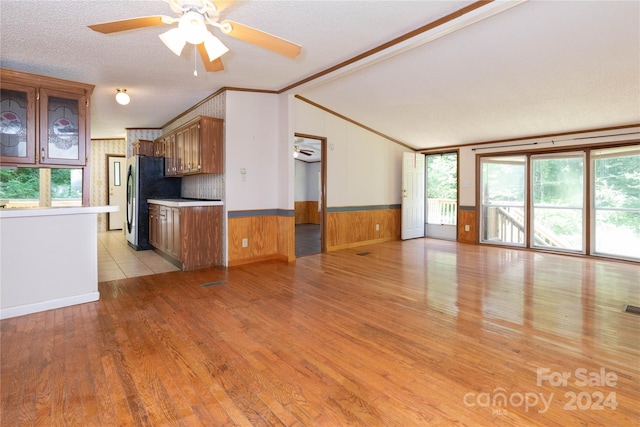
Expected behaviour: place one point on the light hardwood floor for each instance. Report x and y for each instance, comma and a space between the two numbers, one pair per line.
415, 333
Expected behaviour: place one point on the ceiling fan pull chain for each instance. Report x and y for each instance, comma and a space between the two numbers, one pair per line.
195, 62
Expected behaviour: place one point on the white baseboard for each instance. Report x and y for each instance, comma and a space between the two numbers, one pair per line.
6, 313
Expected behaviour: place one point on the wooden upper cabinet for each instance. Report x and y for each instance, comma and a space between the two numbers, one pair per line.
170, 154
193, 155
143, 147
158, 148
17, 123
211, 145
182, 136
43, 121
62, 124
193, 148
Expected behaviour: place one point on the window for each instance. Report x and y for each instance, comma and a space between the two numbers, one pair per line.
502, 183
616, 202
549, 210
23, 187
558, 192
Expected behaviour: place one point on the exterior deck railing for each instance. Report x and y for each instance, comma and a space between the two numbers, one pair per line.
442, 211
506, 224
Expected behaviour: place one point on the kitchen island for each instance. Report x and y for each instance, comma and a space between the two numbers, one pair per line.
48, 258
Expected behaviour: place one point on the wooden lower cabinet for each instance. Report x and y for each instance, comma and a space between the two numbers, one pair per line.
191, 237
154, 225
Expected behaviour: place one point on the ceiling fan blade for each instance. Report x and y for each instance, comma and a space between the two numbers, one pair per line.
222, 4
260, 38
131, 24
212, 66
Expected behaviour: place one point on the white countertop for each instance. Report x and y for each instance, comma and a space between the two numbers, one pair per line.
183, 203
34, 212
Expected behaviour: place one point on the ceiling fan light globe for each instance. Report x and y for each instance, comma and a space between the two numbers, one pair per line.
122, 97
174, 40
193, 27
214, 47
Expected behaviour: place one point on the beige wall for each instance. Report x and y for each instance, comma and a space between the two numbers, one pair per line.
99, 180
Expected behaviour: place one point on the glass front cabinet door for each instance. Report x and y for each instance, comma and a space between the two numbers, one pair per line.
62, 124
17, 123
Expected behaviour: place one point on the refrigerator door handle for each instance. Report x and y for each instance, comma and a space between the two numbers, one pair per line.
130, 195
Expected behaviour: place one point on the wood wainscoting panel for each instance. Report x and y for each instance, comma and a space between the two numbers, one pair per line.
358, 227
389, 221
467, 217
237, 229
268, 237
286, 237
264, 235
313, 215
307, 212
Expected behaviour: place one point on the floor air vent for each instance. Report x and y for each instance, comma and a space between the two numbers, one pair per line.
631, 309
363, 253
218, 283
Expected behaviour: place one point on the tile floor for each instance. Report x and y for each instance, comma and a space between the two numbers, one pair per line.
117, 260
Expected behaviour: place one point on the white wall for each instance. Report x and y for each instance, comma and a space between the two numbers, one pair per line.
253, 144
99, 173
362, 168
49, 260
300, 182
307, 181
286, 167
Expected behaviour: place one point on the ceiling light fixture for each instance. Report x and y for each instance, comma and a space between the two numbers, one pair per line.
193, 29
122, 97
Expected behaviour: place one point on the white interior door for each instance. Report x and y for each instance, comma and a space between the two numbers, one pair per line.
412, 195
117, 191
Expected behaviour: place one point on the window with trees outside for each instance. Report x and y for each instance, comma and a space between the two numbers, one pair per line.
442, 188
40, 187
558, 193
502, 184
552, 207
616, 201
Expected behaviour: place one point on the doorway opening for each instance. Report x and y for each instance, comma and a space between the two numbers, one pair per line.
309, 194
442, 196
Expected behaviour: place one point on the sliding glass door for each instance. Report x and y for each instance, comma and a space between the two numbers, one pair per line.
616, 202
503, 186
557, 201
546, 208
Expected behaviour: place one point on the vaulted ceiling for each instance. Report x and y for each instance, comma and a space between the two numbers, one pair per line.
503, 70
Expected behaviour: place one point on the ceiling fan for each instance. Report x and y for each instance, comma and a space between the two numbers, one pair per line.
297, 149
193, 18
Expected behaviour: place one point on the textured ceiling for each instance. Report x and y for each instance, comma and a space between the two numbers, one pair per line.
538, 67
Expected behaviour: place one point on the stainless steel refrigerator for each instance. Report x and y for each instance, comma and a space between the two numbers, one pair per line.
146, 180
